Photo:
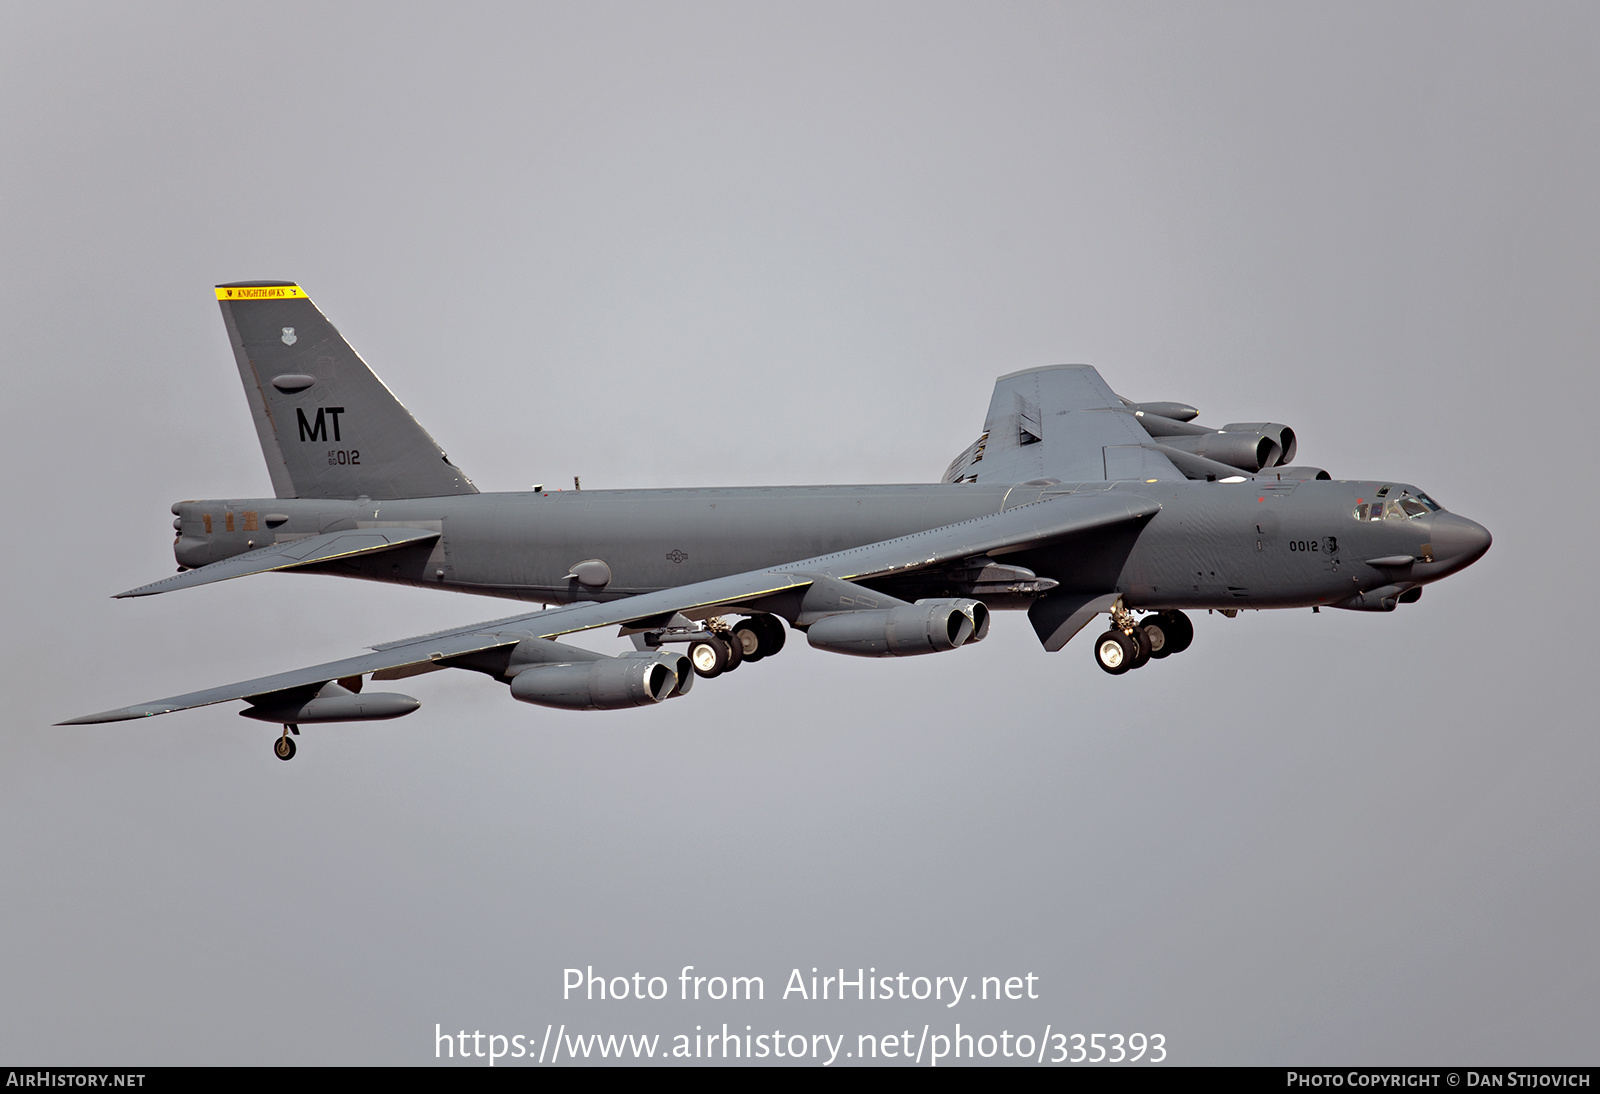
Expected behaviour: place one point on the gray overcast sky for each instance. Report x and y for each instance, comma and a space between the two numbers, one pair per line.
703, 244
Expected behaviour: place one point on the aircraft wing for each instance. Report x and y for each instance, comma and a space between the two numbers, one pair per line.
1061, 422
1021, 526
307, 551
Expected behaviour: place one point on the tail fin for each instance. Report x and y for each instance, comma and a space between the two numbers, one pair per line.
329, 428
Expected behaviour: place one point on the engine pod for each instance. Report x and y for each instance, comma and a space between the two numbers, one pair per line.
1245, 450
928, 626
678, 663
612, 684
1287, 445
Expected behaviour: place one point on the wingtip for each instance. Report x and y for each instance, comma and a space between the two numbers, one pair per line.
145, 590
122, 714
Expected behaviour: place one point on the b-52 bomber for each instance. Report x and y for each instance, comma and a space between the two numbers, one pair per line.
1072, 503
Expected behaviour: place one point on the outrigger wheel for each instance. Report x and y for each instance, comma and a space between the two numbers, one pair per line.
284, 748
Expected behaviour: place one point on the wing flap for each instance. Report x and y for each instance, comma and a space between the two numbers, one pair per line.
306, 551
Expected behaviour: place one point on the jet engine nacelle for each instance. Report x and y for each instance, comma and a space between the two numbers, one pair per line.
332, 703
928, 626
1287, 445
614, 683
680, 665
1247, 450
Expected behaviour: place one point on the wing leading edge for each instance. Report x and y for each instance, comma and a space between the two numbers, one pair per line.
1022, 526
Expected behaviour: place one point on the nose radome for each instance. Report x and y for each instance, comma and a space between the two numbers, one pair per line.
1457, 539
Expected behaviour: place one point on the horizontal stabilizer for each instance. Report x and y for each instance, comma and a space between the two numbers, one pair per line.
328, 547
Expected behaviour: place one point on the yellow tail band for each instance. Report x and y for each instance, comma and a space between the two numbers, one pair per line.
261, 292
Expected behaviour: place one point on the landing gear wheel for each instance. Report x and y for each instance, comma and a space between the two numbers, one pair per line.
735, 650
759, 636
749, 641
1141, 639
709, 656
1176, 629
1115, 651
284, 748
1155, 629
771, 632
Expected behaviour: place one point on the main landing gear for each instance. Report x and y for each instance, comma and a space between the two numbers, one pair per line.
726, 648
1130, 643
283, 747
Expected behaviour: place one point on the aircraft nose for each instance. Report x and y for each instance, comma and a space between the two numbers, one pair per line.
1458, 540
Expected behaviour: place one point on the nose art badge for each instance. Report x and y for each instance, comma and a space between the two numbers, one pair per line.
288, 336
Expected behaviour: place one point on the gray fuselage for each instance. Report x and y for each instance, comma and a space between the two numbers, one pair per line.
1251, 544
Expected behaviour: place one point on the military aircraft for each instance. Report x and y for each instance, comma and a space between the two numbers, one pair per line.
1072, 502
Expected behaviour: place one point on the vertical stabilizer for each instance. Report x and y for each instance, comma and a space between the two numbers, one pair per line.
329, 428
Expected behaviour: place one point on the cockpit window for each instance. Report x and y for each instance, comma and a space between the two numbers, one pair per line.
1404, 506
